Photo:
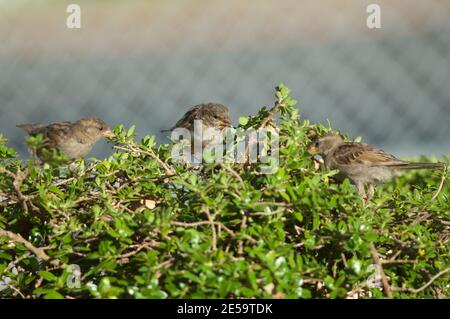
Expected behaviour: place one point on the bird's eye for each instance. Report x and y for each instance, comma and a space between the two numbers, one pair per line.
316, 144
101, 128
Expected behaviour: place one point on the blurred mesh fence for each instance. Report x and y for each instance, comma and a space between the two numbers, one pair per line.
147, 62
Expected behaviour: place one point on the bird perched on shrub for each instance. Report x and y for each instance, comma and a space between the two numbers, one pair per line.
362, 164
74, 140
211, 116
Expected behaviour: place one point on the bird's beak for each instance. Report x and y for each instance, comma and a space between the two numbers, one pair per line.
108, 134
312, 149
224, 122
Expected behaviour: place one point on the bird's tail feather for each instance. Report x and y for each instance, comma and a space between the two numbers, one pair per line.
422, 166
30, 128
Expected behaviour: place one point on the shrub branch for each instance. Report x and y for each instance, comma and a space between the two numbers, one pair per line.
378, 263
441, 186
169, 171
415, 291
37, 251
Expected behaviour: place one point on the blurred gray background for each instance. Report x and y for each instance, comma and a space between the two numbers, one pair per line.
147, 62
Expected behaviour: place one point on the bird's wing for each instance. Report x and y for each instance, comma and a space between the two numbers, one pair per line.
56, 133
188, 118
358, 153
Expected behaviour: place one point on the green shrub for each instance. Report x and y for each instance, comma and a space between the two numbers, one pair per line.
139, 226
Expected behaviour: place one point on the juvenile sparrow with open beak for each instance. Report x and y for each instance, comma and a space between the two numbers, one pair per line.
211, 116
362, 164
75, 140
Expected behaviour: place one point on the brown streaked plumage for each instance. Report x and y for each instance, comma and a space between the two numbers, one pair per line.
212, 116
362, 164
75, 140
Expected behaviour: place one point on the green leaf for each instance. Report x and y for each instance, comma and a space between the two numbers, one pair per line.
47, 275
53, 295
243, 120
131, 130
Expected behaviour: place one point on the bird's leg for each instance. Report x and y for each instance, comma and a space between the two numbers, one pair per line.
362, 191
371, 192
35, 157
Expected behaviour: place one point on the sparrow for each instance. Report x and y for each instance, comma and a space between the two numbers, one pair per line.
212, 116
362, 164
75, 140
